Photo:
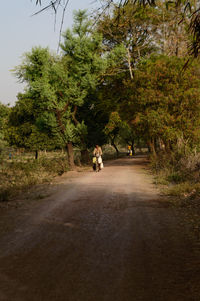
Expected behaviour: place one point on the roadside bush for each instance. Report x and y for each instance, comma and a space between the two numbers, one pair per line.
176, 164
180, 171
184, 190
17, 175
190, 166
57, 165
160, 162
175, 177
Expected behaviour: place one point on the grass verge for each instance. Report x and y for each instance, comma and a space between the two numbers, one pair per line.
22, 172
179, 179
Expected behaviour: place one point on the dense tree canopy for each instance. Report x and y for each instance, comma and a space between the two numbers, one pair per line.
162, 102
122, 80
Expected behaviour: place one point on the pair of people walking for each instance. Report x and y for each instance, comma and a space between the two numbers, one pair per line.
97, 158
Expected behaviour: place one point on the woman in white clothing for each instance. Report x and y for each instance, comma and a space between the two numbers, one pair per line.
98, 153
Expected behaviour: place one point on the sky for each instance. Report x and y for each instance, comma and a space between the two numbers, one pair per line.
20, 31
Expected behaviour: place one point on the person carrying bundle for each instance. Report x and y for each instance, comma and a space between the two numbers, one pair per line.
97, 159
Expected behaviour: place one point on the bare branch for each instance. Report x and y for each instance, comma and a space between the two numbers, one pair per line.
52, 5
62, 21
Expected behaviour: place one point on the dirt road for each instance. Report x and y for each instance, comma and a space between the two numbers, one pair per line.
104, 236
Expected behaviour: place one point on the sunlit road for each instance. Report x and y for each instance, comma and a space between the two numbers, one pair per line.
104, 236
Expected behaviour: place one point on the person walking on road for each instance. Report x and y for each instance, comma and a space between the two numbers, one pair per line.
98, 155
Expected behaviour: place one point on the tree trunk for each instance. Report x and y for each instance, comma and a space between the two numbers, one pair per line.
139, 145
115, 147
129, 63
167, 147
36, 154
132, 147
152, 147
70, 154
85, 156
156, 145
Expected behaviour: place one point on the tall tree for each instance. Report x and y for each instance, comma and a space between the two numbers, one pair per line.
59, 85
82, 49
128, 32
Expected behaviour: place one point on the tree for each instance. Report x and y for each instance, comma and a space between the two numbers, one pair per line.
164, 102
22, 130
128, 135
59, 85
82, 48
95, 120
194, 14
112, 129
128, 33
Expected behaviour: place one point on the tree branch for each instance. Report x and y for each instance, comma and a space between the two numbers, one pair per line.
65, 108
58, 118
74, 114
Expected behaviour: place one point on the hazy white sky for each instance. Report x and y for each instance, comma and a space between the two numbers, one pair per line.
20, 31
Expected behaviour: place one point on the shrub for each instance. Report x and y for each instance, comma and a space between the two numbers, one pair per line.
180, 169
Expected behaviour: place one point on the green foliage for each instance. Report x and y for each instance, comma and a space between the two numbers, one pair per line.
4, 113
58, 86
112, 129
165, 101
111, 82
81, 49
127, 36
95, 120
22, 127
113, 124
128, 134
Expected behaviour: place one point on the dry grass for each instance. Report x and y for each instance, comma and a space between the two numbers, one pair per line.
23, 171
179, 179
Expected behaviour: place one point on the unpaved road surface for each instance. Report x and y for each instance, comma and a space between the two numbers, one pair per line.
104, 236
